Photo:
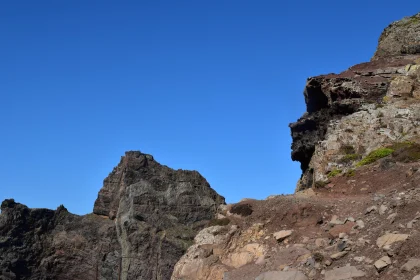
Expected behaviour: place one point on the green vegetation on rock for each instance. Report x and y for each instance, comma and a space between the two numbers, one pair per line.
320, 184
351, 173
349, 158
374, 156
334, 173
406, 151
409, 21
347, 149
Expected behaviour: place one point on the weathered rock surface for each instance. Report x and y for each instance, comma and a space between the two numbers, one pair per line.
48, 244
400, 38
144, 219
343, 273
382, 263
245, 248
411, 264
356, 210
390, 238
360, 219
157, 212
354, 112
282, 275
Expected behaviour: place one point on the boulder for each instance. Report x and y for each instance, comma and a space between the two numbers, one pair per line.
343, 273
382, 263
412, 263
390, 238
283, 234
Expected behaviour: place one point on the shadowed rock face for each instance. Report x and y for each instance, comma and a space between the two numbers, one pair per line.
330, 97
156, 193
48, 244
146, 216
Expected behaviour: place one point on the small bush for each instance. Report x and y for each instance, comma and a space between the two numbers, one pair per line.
406, 152
349, 158
241, 209
318, 257
320, 184
334, 173
347, 149
374, 156
351, 173
401, 145
218, 222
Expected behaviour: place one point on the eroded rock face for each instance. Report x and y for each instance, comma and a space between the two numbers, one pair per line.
400, 38
48, 244
387, 85
157, 211
144, 219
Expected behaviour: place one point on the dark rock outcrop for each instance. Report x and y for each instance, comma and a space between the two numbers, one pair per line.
144, 219
48, 244
330, 97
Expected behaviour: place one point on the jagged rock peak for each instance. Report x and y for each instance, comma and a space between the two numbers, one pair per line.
157, 212
401, 37
158, 183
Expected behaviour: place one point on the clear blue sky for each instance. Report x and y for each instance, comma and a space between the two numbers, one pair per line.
204, 85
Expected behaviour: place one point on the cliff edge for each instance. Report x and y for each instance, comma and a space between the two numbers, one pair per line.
368, 106
356, 210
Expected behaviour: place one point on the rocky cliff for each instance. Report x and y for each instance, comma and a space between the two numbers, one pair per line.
355, 214
145, 217
356, 208
370, 105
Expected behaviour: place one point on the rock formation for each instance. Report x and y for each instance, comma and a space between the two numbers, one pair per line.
370, 105
145, 217
355, 215
356, 212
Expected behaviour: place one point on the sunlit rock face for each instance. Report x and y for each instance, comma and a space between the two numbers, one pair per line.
365, 107
400, 38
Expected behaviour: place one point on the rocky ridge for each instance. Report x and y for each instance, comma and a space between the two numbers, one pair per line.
145, 217
356, 210
355, 214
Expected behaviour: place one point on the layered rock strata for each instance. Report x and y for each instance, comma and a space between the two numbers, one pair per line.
367, 106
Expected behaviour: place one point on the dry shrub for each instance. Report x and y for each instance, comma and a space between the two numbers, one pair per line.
241, 209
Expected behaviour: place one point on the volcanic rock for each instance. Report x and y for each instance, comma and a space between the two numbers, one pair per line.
145, 217
352, 113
